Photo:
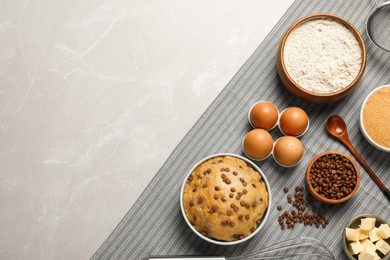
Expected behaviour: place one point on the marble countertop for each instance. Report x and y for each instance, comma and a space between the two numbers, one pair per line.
94, 96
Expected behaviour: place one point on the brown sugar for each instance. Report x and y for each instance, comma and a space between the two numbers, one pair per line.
376, 116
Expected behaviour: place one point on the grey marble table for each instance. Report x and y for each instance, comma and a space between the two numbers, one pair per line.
94, 96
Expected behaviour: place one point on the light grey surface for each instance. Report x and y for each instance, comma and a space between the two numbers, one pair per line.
94, 96
154, 224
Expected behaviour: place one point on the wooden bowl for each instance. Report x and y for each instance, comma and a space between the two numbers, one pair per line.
322, 198
354, 223
304, 94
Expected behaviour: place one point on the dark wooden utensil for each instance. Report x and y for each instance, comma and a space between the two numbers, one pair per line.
335, 125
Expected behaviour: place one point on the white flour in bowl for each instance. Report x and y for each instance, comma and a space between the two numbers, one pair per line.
322, 55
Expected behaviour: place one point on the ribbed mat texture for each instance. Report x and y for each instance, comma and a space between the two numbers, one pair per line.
155, 226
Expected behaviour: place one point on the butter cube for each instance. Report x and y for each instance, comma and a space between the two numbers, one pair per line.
355, 248
373, 236
363, 234
367, 223
368, 245
352, 234
382, 246
368, 255
383, 231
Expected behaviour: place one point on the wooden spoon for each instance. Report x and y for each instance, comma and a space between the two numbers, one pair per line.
335, 125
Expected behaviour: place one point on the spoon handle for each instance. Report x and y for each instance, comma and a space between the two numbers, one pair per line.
345, 140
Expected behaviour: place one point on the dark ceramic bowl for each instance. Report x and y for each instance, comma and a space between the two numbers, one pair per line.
354, 223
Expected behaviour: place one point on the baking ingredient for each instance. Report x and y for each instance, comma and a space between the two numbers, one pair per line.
322, 55
384, 231
293, 121
366, 247
355, 247
288, 150
367, 223
258, 144
368, 255
372, 235
300, 212
376, 116
264, 115
383, 246
351, 234
363, 234
333, 176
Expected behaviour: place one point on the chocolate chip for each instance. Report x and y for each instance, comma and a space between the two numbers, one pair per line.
285, 190
279, 207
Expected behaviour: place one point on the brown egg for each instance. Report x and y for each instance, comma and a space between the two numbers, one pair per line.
288, 150
264, 115
293, 121
258, 144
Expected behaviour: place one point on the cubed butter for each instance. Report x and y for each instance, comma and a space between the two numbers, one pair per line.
368, 245
373, 236
363, 234
352, 234
383, 231
355, 248
383, 246
368, 255
367, 223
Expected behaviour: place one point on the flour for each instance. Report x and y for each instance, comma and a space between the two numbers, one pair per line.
322, 56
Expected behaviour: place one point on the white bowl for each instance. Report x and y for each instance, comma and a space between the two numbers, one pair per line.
263, 220
365, 134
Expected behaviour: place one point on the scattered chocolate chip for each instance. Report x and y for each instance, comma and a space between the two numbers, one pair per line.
279, 207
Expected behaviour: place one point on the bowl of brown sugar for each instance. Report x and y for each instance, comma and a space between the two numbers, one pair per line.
375, 118
332, 177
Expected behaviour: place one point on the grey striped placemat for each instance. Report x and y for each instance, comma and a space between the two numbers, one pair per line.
154, 225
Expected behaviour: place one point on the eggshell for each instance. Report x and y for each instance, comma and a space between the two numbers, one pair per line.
288, 150
258, 144
293, 121
264, 115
